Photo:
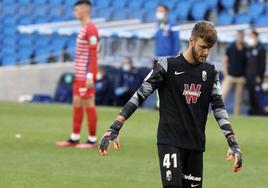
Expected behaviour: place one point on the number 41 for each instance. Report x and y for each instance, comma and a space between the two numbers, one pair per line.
167, 159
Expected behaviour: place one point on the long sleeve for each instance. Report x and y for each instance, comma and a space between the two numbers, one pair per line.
153, 80
219, 110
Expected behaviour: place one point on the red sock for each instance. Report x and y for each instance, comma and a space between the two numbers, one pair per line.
92, 120
77, 119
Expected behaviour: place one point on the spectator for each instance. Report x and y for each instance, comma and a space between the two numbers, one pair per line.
166, 41
234, 65
127, 83
102, 88
256, 60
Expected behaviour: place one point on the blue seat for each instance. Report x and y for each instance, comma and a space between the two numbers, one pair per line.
55, 2
135, 4
224, 19
171, 4
8, 1
103, 3
58, 44
119, 3
39, 10
262, 20
242, 19
41, 19
55, 11
105, 13
24, 55
9, 41
56, 19
199, 10
212, 4
9, 9
137, 14
25, 20
256, 9
24, 2
42, 42
228, 4
9, 31
70, 2
25, 41
9, 21
182, 10
151, 5
120, 14
8, 60
39, 1
150, 16
41, 55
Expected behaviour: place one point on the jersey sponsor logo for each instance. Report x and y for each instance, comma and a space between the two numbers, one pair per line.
194, 185
204, 76
192, 93
168, 175
178, 73
190, 177
93, 40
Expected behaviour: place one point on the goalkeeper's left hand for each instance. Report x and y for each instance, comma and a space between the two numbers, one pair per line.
111, 135
234, 151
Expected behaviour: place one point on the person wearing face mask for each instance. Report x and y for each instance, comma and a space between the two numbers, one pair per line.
256, 62
234, 65
127, 83
166, 41
103, 86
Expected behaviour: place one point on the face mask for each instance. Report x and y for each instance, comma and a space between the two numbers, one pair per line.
99, 76
265, 86
160, 16
126, 68
251, 41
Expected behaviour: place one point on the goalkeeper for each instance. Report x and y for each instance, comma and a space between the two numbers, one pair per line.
187, 85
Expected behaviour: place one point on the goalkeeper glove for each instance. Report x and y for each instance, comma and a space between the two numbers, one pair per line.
111, 135
234, 151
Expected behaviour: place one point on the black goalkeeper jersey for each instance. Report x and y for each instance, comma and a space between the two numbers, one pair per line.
185, 92
184, 103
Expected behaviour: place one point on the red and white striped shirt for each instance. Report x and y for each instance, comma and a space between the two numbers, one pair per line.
86, 52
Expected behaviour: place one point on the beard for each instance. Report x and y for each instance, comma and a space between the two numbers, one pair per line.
196, 57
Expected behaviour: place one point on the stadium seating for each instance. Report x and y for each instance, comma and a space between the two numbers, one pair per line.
224, 18
199, 10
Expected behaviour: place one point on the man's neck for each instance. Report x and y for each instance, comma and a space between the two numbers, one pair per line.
187, 54
85, 20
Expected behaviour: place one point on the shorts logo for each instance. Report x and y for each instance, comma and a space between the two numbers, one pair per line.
204, 76
191, 178
192, 93
168, 175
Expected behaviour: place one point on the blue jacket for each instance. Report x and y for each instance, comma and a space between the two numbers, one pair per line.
166, 41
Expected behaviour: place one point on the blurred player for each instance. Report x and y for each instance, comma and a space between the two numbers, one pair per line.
187, 85
85, 78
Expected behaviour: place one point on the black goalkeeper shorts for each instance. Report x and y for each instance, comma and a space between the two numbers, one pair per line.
180, 168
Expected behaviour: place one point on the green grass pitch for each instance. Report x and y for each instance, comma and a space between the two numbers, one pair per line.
33, 161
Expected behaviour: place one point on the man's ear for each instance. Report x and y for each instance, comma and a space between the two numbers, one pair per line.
191, 41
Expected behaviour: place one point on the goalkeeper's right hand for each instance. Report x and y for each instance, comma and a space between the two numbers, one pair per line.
111, 135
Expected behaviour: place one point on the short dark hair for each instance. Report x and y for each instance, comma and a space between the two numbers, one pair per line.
164, 6
206, 31
82, 2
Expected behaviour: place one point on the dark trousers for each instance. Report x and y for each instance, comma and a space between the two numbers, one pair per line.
253, 97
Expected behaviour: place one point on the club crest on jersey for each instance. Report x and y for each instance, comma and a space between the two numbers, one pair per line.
204, 76
192, 93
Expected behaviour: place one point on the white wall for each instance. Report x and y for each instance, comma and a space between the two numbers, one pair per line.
30, 79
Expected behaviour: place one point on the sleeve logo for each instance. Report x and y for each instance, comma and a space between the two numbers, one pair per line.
93, 40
